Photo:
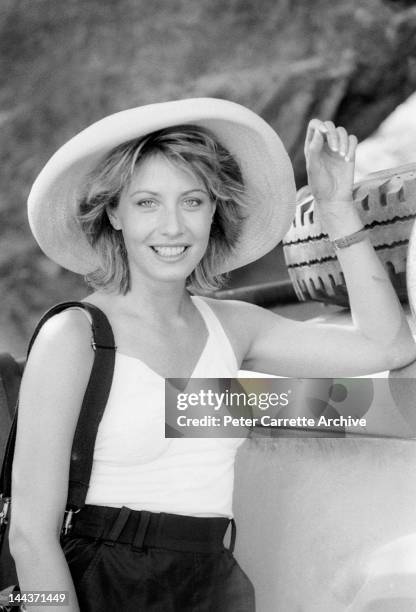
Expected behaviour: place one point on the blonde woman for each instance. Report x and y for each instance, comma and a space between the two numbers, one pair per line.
153, 205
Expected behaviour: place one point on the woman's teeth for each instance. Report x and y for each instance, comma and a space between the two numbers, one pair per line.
169, 251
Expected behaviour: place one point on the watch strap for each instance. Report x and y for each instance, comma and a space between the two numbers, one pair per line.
346, 241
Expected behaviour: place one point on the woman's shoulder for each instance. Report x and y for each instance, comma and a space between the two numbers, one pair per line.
72, 323
239, 320
60, 360
64, 334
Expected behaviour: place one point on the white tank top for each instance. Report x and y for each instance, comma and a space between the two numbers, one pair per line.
135, 466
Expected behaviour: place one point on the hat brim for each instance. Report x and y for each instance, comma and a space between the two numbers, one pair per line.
265, 165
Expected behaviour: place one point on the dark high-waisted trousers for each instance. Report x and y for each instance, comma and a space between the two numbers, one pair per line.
130, 561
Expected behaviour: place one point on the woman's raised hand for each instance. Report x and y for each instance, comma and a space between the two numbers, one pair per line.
330, 160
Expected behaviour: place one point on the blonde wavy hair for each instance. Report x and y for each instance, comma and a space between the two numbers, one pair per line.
189, 147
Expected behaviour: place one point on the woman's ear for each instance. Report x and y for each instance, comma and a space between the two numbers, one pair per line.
113, 218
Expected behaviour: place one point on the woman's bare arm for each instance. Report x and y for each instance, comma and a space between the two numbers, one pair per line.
266, 342
379, 338
52, 390
379, 321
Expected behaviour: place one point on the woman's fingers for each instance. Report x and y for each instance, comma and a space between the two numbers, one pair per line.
343, 141
313, 126
332, 136
352, 145
321, 132
337, 139
315, 136
317, 142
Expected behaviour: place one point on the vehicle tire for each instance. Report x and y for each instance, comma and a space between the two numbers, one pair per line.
386, 203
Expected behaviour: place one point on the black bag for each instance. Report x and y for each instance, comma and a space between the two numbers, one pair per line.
93, 405
10, 376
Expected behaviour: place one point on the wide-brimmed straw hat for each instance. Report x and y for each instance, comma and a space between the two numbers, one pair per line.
265, 166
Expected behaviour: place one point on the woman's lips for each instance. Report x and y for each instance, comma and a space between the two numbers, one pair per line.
170, 252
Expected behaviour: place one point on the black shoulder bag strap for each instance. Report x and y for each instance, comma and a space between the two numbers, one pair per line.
92, 410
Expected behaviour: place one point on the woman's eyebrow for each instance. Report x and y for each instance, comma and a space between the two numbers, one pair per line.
194, 190
155, 193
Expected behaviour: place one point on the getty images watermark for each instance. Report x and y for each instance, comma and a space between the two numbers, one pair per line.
232, 408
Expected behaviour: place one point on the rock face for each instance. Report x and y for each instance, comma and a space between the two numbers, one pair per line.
351, 62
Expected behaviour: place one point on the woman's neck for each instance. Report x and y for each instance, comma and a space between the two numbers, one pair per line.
159, 304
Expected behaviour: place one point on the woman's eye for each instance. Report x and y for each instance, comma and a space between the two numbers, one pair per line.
147, 203
193, 203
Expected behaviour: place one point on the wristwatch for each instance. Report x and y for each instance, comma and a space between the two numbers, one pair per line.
346, 241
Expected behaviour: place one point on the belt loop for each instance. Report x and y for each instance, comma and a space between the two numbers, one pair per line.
142, 527
117, 526
233, 536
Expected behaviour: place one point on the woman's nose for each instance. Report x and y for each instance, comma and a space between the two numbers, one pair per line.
172, 222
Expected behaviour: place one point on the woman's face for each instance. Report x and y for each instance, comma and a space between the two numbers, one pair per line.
165, 215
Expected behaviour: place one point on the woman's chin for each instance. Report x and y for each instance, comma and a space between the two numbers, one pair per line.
165, 269
177, 273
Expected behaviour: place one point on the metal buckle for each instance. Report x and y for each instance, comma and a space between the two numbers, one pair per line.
4, 511
101, 346
4, 520
67, 524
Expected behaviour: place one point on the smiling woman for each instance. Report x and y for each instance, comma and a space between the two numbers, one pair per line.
150, 204
208, 172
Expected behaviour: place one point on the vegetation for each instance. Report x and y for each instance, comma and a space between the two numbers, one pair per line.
65, 64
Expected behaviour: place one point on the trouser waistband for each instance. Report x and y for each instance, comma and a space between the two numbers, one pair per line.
142, 529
